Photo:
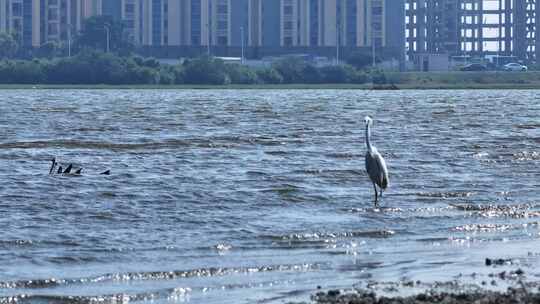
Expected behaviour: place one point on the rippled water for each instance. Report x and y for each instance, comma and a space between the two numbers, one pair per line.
242, 196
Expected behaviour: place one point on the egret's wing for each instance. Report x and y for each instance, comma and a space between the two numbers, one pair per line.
384, 170
376, 169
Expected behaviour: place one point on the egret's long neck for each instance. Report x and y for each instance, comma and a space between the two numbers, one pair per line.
368, 136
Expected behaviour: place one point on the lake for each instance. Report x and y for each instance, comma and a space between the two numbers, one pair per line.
240, 196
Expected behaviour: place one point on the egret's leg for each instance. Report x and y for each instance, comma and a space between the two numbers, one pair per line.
375, 189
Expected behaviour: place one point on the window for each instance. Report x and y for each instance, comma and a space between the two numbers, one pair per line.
288, 25
287, 41
222, 25
222, 40
53, 14
53, 29
288, 10
17, 25
222, 9
16, 10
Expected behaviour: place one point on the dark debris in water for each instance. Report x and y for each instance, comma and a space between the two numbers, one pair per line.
490, 262
508, 275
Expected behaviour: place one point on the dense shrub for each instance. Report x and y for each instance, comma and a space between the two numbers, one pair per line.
206, 70
179, 74
360, 60
311, 74
240, 74
166, 75
24, 72
89, 68
8, 46
337, 74
270, 76
359, 77
95, 67
292, 69
378, 77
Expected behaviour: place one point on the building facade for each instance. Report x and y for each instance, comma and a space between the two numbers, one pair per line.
265, 26
35, 22
261, 26
474, 27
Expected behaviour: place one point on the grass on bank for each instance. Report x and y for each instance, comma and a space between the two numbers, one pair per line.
394, 80
93, 69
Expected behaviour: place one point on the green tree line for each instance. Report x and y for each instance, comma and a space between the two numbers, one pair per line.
96, 67
90, 63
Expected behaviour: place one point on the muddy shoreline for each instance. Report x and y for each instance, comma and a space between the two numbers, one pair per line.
512, 295
505, 286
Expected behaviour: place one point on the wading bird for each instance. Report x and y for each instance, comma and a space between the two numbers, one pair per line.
375, 164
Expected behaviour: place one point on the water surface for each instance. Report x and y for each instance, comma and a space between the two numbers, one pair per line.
238, 196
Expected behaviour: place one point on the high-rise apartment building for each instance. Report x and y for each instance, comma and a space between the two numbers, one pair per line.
262, 26
17, 17
34, 22
272, 23
474, 27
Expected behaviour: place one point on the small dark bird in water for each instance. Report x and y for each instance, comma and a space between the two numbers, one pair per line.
53, 165
68, 169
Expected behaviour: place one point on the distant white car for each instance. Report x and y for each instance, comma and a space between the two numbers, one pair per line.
514, 67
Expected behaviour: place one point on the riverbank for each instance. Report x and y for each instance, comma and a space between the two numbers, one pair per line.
406, 86
512, 295
500, 287
93, 69
393, 80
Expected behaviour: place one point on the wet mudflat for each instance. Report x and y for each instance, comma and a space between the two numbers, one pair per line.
242, 196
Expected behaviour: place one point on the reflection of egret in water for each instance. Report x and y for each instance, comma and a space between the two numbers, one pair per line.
375, 164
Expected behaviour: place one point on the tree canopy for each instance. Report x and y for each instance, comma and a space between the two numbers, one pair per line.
96, 67
94, 35
8, 46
